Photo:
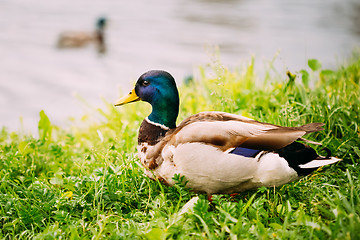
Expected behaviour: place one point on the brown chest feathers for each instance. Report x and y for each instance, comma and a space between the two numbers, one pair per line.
150, 133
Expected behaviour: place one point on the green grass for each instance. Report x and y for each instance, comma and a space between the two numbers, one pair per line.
86, 183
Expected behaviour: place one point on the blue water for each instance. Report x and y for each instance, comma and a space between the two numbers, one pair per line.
176, 36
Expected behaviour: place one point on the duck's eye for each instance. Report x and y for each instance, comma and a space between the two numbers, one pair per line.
145, 83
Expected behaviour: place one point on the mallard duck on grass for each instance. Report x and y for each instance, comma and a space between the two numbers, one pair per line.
82, 39
217, 152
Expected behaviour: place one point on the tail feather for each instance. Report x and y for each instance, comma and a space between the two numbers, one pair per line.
309, 141
319, 162
304, 159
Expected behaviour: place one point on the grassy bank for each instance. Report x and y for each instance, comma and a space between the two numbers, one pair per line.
85, 182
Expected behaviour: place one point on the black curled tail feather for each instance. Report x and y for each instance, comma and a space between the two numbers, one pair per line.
328, 154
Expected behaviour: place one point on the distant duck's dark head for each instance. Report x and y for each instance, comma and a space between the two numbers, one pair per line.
159, 89
101, 23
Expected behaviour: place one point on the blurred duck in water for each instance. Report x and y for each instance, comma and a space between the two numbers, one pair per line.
82, 39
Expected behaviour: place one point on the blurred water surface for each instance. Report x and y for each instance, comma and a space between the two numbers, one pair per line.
159, 34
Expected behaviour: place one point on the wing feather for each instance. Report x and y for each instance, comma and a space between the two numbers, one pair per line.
225, 131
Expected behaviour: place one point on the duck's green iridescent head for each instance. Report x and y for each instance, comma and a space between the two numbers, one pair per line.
159, 89
101, 23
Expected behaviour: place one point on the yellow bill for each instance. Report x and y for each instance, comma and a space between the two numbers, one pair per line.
131, 97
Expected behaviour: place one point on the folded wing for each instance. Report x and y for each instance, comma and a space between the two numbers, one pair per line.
227, 131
